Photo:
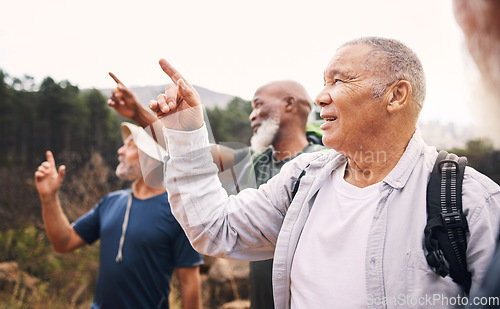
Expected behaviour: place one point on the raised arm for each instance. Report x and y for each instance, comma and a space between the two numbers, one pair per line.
125, 102
245, 226
48, 180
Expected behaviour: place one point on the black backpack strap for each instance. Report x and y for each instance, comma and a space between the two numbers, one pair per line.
446, 229
297, 183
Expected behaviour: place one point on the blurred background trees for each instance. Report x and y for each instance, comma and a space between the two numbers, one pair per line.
55, 116
84, 134
231, 124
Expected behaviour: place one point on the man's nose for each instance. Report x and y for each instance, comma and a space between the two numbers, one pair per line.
323, 98
253, 115
121, 150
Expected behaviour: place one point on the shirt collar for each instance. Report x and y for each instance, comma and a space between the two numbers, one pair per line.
400, 174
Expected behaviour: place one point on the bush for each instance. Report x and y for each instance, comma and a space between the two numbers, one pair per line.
64, 279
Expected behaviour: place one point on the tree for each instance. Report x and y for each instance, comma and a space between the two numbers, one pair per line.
231, 124
6, 114
103, 132
482, 156
23, 121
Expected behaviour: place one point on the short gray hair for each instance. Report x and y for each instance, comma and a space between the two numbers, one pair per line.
394, 61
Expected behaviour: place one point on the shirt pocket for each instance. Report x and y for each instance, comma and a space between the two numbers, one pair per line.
424, 284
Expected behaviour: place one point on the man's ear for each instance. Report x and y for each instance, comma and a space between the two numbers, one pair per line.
398, 96
290, 103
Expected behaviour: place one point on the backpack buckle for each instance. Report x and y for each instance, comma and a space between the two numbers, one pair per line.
454, 220
439, 264
440, 165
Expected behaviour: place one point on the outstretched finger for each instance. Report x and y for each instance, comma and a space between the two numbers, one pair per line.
170, 70
113, 76
50, 158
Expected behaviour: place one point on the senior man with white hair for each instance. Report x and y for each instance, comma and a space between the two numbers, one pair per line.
141, 242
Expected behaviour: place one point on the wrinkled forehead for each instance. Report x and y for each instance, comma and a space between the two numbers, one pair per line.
349, 58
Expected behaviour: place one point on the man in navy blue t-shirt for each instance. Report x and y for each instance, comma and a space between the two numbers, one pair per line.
141, 242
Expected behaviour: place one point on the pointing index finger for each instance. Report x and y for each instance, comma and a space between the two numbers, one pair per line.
50, 158
113, 76
170, 71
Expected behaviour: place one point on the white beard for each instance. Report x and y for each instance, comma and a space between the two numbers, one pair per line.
128, 171
265, 135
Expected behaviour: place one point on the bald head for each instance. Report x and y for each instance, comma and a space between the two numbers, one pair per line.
284, 89
279, 116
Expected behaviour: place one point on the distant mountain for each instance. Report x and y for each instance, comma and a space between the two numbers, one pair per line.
208, 97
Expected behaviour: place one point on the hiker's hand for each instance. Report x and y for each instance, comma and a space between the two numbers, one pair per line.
48, 179
179, 108
123, 100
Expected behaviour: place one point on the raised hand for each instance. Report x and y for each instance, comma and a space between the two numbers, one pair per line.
123, 100
48, 179
179, 108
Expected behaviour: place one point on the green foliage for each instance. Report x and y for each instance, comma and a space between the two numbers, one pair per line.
55, 116
102, 126
63, 279
231, 124
26, 246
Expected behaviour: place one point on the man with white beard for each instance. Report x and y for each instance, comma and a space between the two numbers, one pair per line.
280, 110
265, 134
278, 119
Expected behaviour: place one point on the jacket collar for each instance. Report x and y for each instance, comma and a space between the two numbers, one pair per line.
400, 174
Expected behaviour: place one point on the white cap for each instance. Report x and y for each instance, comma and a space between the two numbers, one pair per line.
143, 141
151, 155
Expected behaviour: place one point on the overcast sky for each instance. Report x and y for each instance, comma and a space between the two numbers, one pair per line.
227, 46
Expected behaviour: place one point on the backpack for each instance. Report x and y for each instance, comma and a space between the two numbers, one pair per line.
446, 230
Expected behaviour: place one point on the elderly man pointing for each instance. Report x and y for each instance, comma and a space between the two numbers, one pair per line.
352, 234
141, 243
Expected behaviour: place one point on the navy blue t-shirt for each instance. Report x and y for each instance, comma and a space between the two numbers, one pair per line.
154, 245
